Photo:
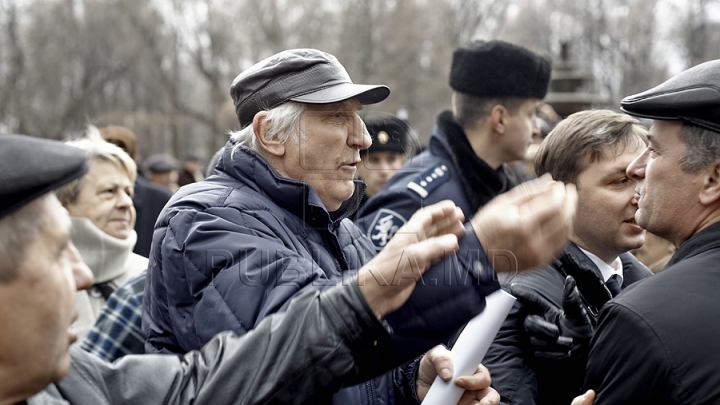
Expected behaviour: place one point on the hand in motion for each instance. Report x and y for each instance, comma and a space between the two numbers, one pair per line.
437, 361
389, 278
527, 226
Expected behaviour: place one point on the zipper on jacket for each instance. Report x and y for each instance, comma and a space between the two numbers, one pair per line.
370, 392
335, 251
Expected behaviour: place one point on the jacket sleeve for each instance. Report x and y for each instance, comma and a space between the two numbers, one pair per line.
317, 346
448, 295
627, 362
222, 269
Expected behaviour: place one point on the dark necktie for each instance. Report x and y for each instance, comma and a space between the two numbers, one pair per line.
613, 285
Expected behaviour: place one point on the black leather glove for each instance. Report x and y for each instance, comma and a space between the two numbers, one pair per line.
556, 333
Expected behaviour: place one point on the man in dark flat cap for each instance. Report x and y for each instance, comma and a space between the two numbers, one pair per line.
659, 341
162, 169
272, 223
496, 89
281, 361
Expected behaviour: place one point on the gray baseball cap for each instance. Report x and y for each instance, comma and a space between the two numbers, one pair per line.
302, 75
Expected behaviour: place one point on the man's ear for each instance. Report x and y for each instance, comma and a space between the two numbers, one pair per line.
260, 127
710, 191
498, 115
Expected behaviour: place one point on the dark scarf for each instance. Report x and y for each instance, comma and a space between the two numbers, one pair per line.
480, 181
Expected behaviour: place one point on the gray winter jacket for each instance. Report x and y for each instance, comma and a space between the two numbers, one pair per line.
323, 341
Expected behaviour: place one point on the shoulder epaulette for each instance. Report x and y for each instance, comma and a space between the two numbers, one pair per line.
427, 181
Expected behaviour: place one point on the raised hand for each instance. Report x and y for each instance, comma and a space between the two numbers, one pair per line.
528, 226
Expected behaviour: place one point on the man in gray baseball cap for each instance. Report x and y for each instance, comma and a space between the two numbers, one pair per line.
659, 341
272, 223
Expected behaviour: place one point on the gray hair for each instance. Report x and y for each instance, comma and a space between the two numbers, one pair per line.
703, 147
97, 150
283, 121
17, 231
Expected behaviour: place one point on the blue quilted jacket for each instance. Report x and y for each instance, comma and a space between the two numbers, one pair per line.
232, 249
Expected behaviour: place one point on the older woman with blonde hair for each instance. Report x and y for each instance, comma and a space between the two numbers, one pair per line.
100, 205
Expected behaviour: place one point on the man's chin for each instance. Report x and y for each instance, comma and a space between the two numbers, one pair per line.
62, 369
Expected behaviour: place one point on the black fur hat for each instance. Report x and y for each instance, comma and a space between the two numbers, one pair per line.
499, 69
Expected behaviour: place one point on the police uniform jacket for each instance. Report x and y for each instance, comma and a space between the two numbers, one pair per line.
232, 249
659, 341
448, 169
520, 378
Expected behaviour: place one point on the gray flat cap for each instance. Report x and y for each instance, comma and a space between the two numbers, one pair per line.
302, 75
32, 167
161, 163
692, 96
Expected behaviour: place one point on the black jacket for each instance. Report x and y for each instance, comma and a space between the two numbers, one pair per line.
659, 341
517, 375
149, 200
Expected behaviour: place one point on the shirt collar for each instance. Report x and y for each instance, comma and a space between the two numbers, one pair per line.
607, 270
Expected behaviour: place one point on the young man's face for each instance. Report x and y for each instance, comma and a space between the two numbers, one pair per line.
327, 153
668, 196
377, 168
38, 306
605, 222
520, 128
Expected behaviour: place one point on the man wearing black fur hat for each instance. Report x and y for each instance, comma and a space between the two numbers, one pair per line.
386, 154
659, 341
496, 87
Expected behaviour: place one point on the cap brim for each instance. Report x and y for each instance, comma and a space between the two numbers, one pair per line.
366, 94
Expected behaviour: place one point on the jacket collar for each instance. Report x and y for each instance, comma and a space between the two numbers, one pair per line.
480, 181
708, 238
573, 262
294, 196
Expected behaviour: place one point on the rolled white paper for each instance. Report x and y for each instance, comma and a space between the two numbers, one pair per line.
470, 348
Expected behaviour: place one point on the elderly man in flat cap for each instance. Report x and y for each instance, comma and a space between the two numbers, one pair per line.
659, 341
281, 361
496, 89
272, 224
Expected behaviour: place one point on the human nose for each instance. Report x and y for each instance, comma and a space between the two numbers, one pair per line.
359, 137
82, 275
124, 200
636, 169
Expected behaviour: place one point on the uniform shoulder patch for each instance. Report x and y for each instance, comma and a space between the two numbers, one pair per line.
426, 182
383, 227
